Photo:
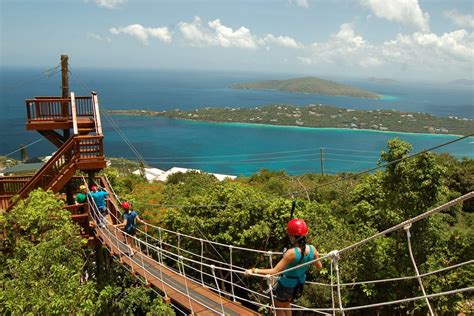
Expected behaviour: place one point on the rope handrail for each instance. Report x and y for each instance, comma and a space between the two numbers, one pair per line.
415, 219
399, 278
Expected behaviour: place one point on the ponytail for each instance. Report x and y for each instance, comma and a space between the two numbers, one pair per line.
300, 242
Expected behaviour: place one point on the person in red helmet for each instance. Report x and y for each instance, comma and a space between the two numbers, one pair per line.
129, 224
290, 284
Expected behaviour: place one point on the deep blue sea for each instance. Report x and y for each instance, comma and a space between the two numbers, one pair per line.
228, 148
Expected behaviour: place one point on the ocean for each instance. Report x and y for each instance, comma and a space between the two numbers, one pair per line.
239, 149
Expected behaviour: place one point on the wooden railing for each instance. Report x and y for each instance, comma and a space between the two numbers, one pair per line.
12, 185
84, 106
90, 146
53, 108
52, 169
85, 147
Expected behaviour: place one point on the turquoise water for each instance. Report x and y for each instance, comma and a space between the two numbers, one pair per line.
157, 139
242, 149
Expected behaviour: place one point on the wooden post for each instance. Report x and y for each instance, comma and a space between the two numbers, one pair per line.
321, 159
65, 92
74, 114
98, 124
65, 114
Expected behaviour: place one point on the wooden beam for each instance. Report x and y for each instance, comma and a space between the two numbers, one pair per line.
53, 136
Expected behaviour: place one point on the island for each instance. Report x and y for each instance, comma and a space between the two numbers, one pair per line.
321, 116
308, 85
386, 81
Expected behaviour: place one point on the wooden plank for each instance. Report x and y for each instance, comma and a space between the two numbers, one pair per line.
34, 125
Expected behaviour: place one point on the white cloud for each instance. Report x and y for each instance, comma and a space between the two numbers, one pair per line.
461, 20
300, 3
98, 37
454, 48
143, 33
284, 41
341, 48
108, 4
215, 33
420, 52
407, 12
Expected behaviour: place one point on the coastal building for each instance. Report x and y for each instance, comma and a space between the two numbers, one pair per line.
150, 174
155, 174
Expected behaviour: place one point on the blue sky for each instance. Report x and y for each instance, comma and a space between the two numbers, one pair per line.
429, 40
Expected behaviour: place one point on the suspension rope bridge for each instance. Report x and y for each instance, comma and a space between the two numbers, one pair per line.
197, 282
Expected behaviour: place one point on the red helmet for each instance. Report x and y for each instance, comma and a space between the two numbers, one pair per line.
94, 188
126, 205
297, 227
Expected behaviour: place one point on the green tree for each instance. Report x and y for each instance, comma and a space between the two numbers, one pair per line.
45, 269
405, 189
43, 252
23, 153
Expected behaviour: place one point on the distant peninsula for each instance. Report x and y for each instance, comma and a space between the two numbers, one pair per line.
462, 82
308, 85
321, 116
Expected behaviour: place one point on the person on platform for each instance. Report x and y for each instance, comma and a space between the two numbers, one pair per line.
81, 198
98, 195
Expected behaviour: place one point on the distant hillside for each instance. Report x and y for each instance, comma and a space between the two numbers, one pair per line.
462, 82
308, 85
382, 80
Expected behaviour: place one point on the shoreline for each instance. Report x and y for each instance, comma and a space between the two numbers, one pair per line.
342, 129
312, 128
155, 114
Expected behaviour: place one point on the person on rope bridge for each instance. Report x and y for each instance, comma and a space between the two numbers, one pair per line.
290, 284
98, 194
81, 198
129, 224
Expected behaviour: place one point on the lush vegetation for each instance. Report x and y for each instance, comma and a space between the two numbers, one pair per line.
323, 116
308, 85
252, 212
42, 250
46, 269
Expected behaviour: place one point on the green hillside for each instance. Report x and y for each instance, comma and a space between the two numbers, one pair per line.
308, 85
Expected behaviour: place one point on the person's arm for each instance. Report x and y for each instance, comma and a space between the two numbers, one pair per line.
317, 264
121, 225
287, 259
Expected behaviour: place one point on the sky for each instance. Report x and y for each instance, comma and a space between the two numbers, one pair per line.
398, 39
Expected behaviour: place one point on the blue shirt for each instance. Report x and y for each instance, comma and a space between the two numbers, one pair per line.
291, 278
131, 223
99, 198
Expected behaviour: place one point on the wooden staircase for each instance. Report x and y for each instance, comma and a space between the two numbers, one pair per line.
82, 151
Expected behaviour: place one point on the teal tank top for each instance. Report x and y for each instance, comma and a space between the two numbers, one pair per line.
291, 278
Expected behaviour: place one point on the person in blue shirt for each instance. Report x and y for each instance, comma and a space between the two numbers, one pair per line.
99, 195
129, 224
290, 284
